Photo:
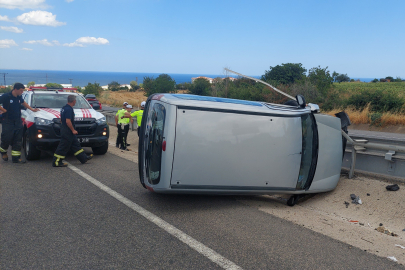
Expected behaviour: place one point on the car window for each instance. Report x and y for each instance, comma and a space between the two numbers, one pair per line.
155, 127
309, 154
57, 101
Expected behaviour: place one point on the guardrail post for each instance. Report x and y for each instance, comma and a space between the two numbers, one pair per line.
353, 165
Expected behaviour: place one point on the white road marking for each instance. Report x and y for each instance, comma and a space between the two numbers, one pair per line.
188, 240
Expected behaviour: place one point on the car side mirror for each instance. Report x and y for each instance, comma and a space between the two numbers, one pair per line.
301, 101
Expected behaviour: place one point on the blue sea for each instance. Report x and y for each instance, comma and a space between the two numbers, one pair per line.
82, 78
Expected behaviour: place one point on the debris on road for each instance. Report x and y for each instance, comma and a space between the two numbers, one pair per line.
394, 187
347, 204
392, 258
400, 246
355, 199
384, 230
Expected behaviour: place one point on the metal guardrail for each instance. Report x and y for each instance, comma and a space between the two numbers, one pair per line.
362, 145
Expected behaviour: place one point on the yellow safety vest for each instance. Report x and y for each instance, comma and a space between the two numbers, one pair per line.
138, 115
121, 113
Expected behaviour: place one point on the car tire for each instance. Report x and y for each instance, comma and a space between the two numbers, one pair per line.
30, 150
101, 150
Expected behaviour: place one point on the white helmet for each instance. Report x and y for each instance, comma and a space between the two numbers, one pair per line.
143, 103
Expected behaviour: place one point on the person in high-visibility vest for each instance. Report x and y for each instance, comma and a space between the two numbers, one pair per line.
123, 126
118, 141
138, 115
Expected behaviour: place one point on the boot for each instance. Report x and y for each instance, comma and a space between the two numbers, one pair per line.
17, 159
85, 158
4, 156
60, 163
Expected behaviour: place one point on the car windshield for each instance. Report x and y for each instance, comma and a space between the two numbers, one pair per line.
57, 101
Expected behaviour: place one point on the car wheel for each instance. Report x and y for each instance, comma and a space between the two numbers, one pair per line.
30, 150
100, 150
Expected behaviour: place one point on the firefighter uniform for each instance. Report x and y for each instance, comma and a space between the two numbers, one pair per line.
68, 140
12, 128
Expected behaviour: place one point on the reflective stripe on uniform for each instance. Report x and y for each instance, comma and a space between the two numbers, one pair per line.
78, 152
15, 153
2, 150
58, 158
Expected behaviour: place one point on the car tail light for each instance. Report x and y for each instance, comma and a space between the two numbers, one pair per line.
100, 105
164, 145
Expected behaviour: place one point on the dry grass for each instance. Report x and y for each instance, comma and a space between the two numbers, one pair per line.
116, 99
365, 117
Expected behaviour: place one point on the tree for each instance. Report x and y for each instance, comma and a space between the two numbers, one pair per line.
53, 85
134, 86
113, 86
165, 84
148, 85
342, 78
285, 74
79, 89
201, 87
30, 84
92, 89
321, 78
389, 78
375, 80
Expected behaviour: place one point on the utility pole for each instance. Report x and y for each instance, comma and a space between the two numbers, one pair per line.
4, 75
71, 81
46, 78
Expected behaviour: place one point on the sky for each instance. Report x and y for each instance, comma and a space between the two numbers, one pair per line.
364, 39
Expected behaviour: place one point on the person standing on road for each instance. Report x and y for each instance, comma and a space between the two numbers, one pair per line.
12, 128
138, 114
68, 134
118, 142
123, 126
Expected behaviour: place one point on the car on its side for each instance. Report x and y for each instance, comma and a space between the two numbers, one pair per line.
209, 145
92, 99
42, 128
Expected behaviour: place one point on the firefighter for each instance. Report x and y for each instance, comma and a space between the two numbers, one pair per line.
68, 134
118, 142
12, 128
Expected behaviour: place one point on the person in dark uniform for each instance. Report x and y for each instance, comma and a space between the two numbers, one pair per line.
12, 128
68, 134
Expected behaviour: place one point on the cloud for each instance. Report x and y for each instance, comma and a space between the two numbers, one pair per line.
69, 1
4, 18
26, 49
56, 42
11, 29
7, 43
43, 42
39, 17
74, 44
22, 4
81, 42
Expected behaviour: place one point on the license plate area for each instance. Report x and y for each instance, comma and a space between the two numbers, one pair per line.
84, 140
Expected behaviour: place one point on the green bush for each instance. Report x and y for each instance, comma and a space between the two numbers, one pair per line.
379, 100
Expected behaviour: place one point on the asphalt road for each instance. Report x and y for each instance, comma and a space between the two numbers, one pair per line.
54, 218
